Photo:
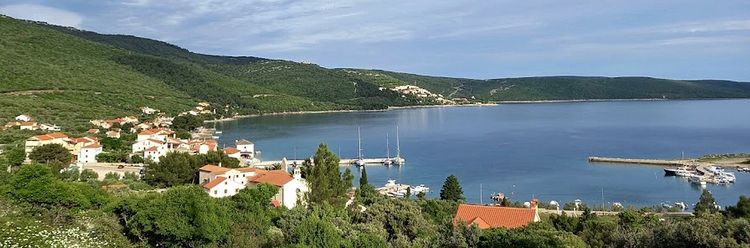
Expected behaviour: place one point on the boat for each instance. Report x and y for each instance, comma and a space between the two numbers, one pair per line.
419, 188
359, 161
682, 171
219, 132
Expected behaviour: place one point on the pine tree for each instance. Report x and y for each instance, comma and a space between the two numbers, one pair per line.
363, 178
706, 203
451, 190
327, 184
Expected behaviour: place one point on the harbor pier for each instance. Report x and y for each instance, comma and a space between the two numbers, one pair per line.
342, 162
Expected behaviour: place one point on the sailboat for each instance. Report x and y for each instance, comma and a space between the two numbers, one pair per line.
387, 161
398, 160
359, 161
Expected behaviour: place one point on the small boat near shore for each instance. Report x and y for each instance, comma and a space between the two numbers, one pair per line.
682, 171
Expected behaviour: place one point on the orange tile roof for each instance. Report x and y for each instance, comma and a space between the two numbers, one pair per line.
214, 182
213, 168
156, 141
231, 150
277, 178
28, 123
95, 145
247, 169
493, 217
152, 149
93, 130
58, 135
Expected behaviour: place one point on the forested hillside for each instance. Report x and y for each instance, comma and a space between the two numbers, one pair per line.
68, 76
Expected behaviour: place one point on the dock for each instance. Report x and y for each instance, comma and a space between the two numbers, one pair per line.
342, 162
660, 162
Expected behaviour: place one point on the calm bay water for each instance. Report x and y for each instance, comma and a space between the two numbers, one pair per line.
525, 150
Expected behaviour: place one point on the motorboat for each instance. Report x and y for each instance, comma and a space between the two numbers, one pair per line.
683, 171
419, 188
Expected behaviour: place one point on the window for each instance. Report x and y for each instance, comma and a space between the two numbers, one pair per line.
225, 191
215, 192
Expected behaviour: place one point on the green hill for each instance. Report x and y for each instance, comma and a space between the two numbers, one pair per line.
68, 76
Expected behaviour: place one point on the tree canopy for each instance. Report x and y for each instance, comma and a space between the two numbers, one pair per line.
706, 203
175, 168
327, 184
51, 153
451, 189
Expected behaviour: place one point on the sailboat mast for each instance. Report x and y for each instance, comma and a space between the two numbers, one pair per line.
359, 143
387, 147
398, 144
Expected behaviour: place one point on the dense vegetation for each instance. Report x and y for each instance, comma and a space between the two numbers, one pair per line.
43, 208
67, 76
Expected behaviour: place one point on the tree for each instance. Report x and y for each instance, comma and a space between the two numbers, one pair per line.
184, 134
218, 157
15, 156
706, 203
111, 176
88, 175
405, 224
183, 216
363, 177
175, 168
112, 144
451, 190
327, 184
741, 210
51, 153
36, 184
136, 159
186, 122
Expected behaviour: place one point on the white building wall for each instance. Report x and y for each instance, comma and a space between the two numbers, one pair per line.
225, 188
88, 155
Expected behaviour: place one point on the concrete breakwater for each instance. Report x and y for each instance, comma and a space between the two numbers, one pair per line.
661, 162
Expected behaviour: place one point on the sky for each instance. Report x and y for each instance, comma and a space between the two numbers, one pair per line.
678, 39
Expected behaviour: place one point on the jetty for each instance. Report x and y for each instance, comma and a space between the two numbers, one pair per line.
342, 162
661, 162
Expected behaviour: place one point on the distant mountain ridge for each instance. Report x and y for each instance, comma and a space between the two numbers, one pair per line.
69, 76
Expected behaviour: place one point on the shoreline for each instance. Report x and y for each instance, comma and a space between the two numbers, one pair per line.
495, 103
346, 111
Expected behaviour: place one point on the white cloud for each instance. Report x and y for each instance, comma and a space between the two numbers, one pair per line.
42, 13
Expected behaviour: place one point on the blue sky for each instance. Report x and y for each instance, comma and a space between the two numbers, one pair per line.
680, 39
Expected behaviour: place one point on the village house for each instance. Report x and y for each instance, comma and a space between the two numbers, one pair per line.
246, 148
74, 145
23, 118
93, 131
44, 139
88, 153
485, 217
232, 153
28, 125
113, 134
222, 182
155, 152
149, 111
49, 127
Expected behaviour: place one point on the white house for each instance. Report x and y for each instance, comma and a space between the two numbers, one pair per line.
141, 145
23, 118
246, 148
232, 152
88, 153
28, 125
221, 182
155, 152
49, 127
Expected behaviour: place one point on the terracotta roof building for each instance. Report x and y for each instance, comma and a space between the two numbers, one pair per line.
495, 217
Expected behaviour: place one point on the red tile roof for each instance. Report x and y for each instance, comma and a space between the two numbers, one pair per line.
275, 203
277, 178
214, 169
214, 182
95, 145
29, 123
231, 150
58, 135
493, 217
152, 149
